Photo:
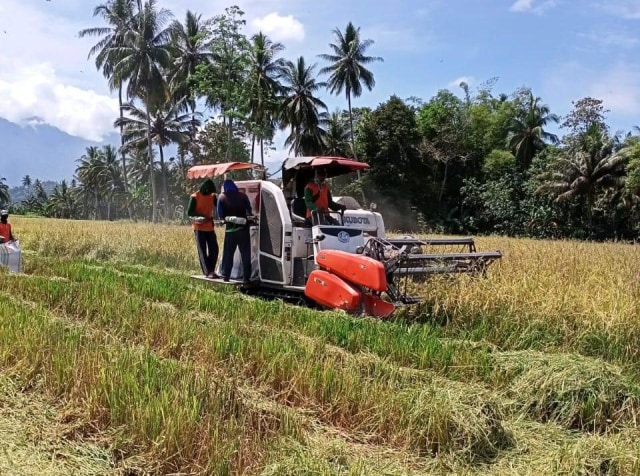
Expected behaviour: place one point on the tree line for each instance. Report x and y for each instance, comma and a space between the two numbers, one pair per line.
487, 163
474, 162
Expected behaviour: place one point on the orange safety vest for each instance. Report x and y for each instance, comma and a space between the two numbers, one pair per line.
5, 231
204, 207
322, 194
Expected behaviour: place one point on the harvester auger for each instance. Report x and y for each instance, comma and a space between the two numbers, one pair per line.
345, 262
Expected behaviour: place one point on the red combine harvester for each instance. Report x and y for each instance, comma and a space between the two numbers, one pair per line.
350, 264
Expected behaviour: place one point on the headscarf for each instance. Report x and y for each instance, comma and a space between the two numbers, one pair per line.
207, 187
321, 174
229, 186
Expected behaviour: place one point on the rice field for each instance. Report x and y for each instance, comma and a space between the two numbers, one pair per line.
137, 369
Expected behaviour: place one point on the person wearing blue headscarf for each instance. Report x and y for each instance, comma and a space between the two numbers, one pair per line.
234, 207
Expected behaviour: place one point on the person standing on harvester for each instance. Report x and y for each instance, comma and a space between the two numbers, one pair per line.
202, 205
234, 207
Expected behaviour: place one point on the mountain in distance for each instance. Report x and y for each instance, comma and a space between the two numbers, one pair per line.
41, 151
46, 153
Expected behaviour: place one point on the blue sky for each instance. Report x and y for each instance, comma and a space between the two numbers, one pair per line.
563, 49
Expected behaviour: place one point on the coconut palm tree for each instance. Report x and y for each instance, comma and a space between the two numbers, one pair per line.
301, 109
88, 175
347, 69
142, 60
109, 176
84, 195
62, 202
632, 181
140, 165
33, 204
39, 190
99, 177
164, 124
26, 181
190, 46
591, 163
336, 139
526, 131
264, 88
120, 16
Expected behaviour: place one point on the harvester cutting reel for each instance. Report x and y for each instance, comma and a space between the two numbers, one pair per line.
405, 258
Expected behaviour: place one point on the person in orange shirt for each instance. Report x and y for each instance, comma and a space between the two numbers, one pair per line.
6, 235
202, 205
317, 197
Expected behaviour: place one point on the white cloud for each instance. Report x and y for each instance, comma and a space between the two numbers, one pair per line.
533, 6
44, 70
615, 39
456, 82
278, 27
36, 90
50, 37
71, 95
522, 6
627, 9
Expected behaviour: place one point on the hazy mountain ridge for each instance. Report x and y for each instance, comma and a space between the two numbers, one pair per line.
41, 151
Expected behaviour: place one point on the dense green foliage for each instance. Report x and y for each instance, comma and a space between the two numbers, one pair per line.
475, 162
487, 164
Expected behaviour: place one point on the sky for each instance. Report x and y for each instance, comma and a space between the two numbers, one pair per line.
563, 49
